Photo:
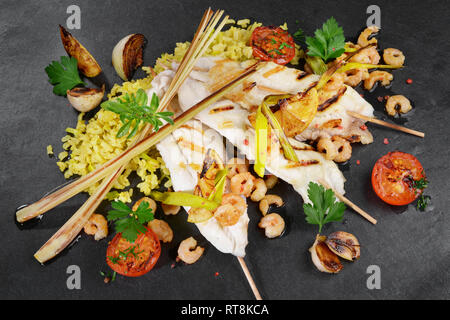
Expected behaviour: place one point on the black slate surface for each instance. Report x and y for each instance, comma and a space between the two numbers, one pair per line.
411, 247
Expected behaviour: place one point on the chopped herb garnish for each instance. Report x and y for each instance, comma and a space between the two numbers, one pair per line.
64, 75
324, 207
299, 36
130, 223
420, 185
285, 45
423, 202
133, 110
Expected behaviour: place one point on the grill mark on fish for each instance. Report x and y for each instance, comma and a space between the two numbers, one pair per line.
274, 91
332, 100
193, 147
301, 163
221, 109
302, 75
273, 71
249, 86
331, 124
303, 148
186, 126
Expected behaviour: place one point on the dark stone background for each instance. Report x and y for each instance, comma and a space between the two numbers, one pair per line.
411, 247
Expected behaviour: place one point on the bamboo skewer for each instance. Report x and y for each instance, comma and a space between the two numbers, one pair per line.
386, 124
350, 203
249, 278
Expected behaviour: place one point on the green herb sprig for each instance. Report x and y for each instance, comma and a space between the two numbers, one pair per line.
133, 110
324, 207
64, 75
130, 223
420, 185
328, 42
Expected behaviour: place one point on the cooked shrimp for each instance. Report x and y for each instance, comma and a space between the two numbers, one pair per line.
161, 229
271, 180
343, 147
169, 209
236, 166
383, 76
232, 208
269, 200
188, 251
393, 57
325, 145
273, 224
97, 226
242, 183
397, 104
260, 190
335, 83
363, 39
367, 55
355, 76
151, 204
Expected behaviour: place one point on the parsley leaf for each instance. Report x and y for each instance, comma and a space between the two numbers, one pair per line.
64, 75
324, 207
328, 42
133, 110
130, 223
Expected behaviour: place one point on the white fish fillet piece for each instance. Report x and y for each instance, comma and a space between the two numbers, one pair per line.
180, 159
193, 91
272, 78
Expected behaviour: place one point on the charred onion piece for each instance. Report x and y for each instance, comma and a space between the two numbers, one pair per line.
86, 62
127, 55
323, 258
344, 244
85, 99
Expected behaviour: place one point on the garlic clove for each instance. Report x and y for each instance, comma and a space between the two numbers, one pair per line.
344, 244
85, 99
323, 258
127, 55
86, 62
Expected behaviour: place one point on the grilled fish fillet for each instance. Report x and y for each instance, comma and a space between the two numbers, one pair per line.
331, 118
183, 153
231, 120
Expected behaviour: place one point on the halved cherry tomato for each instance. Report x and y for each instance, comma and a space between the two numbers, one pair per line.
272, 44
393, 178
133, 259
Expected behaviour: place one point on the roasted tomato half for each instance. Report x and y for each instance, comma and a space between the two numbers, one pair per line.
272, 44
133, 259
394, 176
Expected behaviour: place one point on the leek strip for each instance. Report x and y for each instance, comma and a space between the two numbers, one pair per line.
219, 187
184, 199
317, 65
288, 151
261, 128
356, 65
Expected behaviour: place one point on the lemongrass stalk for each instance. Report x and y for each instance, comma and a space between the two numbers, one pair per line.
71, 228
81, 184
